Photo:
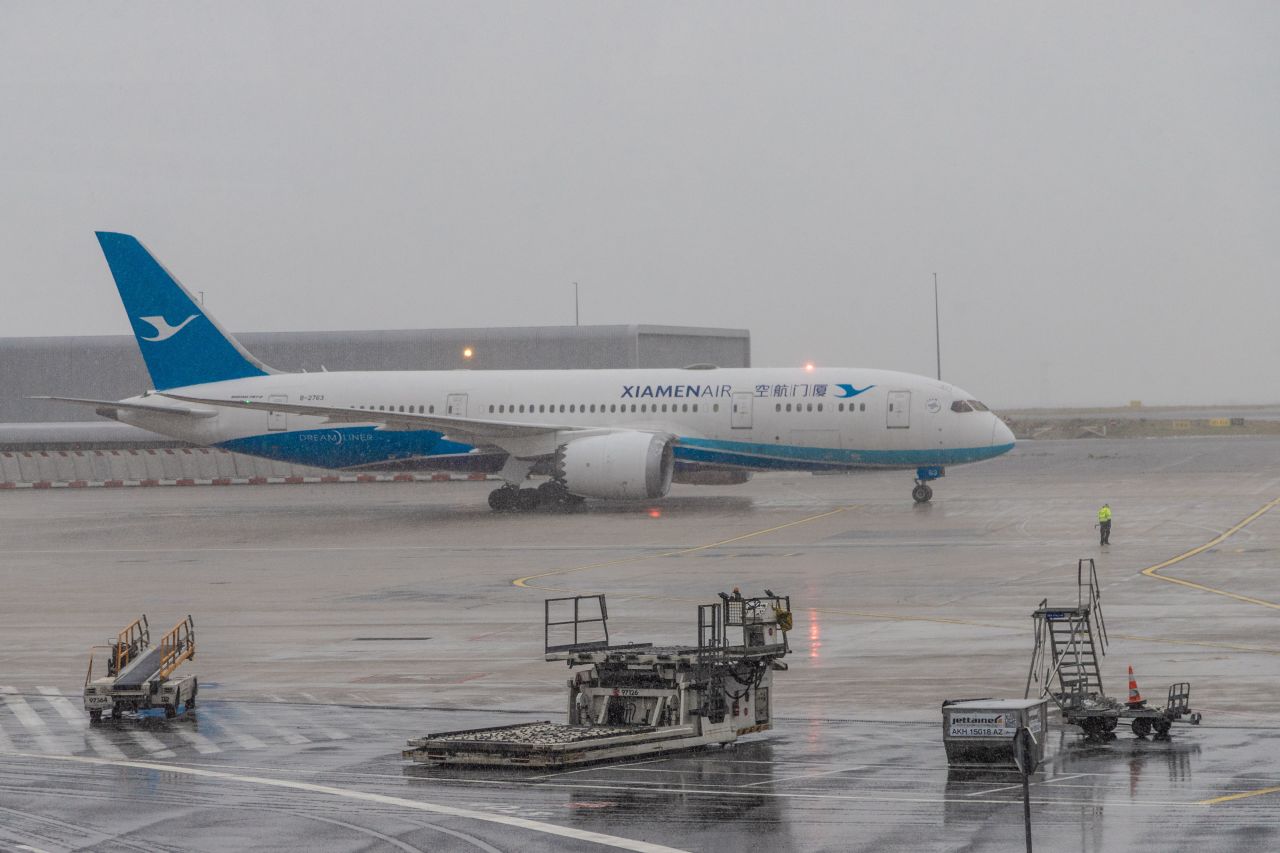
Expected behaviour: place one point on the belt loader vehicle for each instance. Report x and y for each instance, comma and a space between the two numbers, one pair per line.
139, 676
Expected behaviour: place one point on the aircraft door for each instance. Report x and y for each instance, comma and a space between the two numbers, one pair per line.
898, 413
740, 416
278, 421
456, 405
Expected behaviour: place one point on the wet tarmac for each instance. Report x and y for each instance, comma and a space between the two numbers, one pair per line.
335, 622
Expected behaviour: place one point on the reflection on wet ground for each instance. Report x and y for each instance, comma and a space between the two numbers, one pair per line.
336, 623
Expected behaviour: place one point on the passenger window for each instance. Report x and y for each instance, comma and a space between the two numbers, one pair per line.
695, 408
808, 407
863, 407
572, 408
715, 407
777, 407
788, 407
819, 407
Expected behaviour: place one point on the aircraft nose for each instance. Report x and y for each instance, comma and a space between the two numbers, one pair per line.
1001, 435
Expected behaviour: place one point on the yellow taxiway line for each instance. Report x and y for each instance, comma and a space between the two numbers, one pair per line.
1229, 797
1154, 571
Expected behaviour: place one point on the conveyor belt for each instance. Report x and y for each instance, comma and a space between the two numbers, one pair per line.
141, 670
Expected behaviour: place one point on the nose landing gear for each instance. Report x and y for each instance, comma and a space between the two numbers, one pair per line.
922, 493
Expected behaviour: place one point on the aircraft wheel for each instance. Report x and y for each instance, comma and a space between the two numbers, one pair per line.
528, 500
503, 499
921, 494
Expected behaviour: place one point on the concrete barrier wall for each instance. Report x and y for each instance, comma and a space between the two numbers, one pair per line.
172, 467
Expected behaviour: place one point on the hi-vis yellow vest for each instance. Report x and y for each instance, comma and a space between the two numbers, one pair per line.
1104, 514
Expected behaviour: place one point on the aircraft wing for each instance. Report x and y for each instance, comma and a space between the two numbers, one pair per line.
137, 407
511, 436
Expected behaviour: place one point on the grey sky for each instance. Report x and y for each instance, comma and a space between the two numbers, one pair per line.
1095, 184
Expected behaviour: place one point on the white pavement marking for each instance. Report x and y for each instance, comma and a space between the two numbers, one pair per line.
151, 744
77, 719
600, 838
30, 719
286, 735
203, 745
609, 767
244, 739
63, 706
5, 743
805, 776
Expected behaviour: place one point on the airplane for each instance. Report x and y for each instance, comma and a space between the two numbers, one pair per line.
603, 434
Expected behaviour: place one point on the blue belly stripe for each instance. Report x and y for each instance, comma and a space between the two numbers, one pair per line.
345, 447
350, 447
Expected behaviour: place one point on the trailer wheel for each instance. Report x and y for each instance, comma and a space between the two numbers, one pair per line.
1111, 723
169, 712
1141, 727
1093, 726
1162, 728
116, 713
95, 716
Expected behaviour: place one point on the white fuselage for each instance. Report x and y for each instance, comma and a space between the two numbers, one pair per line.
751, 418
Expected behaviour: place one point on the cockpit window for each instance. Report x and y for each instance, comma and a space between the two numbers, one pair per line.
961, 406
981, 407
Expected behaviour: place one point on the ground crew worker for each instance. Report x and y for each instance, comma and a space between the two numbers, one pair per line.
1104, 524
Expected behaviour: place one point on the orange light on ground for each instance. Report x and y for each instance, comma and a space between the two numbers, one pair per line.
809, 366
655, 513
815, 635
467, 352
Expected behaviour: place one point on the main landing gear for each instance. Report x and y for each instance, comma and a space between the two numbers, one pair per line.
922, 493
550, 494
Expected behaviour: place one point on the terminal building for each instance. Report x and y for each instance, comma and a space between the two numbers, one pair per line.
109, 367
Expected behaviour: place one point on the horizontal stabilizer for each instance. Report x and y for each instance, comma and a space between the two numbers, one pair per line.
186, 411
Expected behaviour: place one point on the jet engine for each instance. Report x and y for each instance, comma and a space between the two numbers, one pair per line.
626, 465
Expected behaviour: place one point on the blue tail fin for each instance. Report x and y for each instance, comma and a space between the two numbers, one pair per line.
180, 343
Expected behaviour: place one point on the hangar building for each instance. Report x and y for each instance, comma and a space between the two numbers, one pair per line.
110, 367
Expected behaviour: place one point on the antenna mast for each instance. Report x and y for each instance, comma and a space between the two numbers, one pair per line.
937, 327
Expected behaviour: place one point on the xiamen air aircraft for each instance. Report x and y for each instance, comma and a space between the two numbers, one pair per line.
614, 434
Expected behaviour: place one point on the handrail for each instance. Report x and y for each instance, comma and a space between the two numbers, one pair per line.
134, 638
178, 645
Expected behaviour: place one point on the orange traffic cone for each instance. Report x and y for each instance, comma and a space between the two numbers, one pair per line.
1135, 698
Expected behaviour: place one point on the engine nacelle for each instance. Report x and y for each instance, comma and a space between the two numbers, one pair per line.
625, 465
711, 477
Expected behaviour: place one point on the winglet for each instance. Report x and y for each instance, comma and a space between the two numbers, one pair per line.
181, 344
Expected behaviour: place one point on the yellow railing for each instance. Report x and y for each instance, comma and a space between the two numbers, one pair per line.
132, 640
177, 646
